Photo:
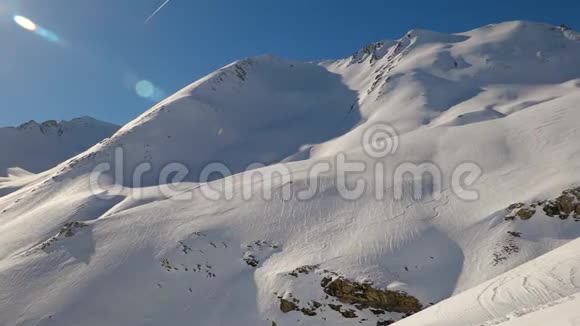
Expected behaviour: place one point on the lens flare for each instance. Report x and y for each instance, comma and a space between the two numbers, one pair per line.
48, 35
31, 26
148, 90
144, 88
25, 23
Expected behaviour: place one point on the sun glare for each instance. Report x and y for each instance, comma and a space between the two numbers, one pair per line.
25, 23
145, 89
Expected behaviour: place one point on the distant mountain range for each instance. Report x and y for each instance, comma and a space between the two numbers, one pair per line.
37, 147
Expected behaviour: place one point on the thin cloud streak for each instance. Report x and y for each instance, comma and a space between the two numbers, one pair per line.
156, 11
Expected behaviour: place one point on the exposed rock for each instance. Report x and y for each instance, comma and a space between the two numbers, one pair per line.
515, 234
325, 281
564, 206
566, 203
525, 214
377, 311
354, 297
167, 265
507, 248
251, 260
551, 210
370, 50
184, 248
349, 313
257, 251
240, 72
67, 230
308, 311
515, 206
307, 269
364, 294
287, 306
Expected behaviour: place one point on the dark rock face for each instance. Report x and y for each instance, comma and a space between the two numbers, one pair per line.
251, 260
564, 206
366, 296
308, 311
525, 214
68, 230
287, 306
348, 313
385, 322
307, 269
349, 299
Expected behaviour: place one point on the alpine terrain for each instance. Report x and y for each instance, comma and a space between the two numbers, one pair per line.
228, 202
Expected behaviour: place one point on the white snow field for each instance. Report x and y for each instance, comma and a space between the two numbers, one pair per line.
503, 98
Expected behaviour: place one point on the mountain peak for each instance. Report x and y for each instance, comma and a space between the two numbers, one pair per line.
60, 127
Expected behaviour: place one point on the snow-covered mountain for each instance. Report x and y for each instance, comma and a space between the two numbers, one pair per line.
36, 147
496, 246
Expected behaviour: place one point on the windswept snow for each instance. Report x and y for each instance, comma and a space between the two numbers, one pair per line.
503, 97
527, 295
560, 312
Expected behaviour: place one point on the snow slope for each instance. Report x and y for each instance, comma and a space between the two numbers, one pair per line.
503, 96
562, 312
259, 110
530, 294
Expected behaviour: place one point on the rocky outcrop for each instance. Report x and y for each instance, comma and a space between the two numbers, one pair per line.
287, 306
363, 295
340, 296
307, 269
66, 231
251, 260
506, 248
257, 251
564, 206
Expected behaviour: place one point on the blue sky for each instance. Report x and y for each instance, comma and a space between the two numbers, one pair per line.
104, 47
